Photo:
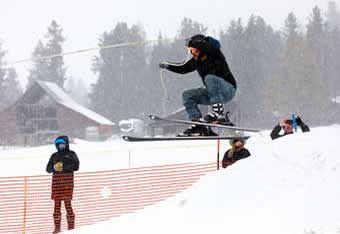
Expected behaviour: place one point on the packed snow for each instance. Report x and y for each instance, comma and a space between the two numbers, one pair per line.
289, 185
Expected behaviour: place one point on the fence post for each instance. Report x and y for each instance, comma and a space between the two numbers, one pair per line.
25, 205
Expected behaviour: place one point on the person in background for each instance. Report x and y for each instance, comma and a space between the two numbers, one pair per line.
287, 125
62, 164
235, 153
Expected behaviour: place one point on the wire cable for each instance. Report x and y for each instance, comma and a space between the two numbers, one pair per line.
119, 45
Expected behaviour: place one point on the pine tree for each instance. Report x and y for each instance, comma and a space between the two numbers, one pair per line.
314, 36
12, 87
49, 69
54, 46
189, 28
159, 93
233, 48
159, 52
2, 77
120, 74
40, 67
286, 87
314, 58
2, 66
333, 15
332, 62
105, 93
331, 69
262, 46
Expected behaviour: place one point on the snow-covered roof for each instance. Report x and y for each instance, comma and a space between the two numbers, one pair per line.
54, 91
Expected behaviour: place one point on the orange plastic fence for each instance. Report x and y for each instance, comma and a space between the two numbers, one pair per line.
26, 205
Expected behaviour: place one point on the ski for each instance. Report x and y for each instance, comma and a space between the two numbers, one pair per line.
138, 139
157, 118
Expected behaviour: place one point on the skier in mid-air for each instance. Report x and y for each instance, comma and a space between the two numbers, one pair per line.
220, 85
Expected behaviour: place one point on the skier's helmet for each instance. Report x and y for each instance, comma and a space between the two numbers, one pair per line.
200, 37
197, 37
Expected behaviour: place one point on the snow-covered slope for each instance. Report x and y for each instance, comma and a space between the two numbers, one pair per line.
288, 186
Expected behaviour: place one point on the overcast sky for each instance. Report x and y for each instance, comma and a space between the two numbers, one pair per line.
24, 22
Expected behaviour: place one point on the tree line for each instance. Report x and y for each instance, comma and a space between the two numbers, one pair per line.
292, 70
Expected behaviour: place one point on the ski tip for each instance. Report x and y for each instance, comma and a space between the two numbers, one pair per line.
125, 138
153, 117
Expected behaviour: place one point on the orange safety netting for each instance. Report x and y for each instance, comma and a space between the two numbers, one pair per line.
26, 205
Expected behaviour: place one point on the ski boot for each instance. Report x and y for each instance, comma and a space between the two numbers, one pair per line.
195, 130
217, 116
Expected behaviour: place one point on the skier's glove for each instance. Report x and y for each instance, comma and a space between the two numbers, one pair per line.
163, 65
298, 121
58, 166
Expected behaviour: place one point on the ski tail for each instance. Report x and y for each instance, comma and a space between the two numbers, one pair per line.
141, 139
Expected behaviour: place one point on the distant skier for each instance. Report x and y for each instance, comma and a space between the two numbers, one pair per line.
287, 126
62, 164
220, 85
237, 152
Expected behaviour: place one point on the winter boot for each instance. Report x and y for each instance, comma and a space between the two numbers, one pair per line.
57, 222
217, 115
195, 130
70, 221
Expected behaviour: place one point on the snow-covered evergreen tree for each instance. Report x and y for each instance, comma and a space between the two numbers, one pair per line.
45, 68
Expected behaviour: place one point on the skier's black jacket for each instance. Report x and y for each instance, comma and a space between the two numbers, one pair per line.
211, 61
